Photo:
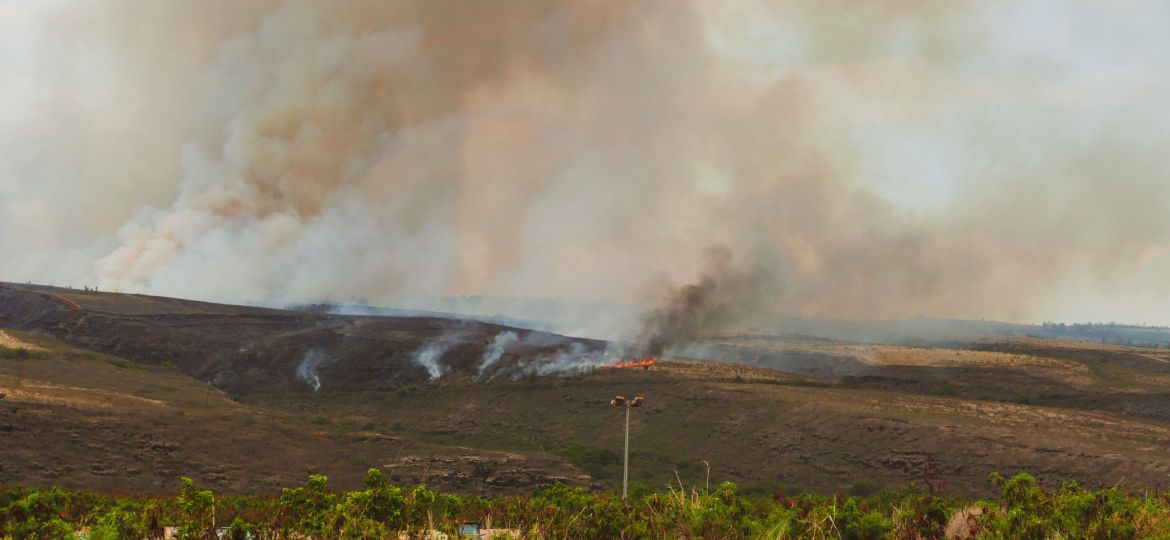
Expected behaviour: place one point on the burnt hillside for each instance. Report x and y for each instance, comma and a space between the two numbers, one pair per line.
244, 349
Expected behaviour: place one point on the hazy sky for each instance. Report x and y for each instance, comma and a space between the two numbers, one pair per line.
878, 159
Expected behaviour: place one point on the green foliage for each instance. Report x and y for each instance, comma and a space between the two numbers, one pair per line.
944, 390
920, 516
39, 514
196, 511
1029, 511
240, 529
121, 363
1027, 399
19, 353
305, 507
856, 523
121, 523
1023, 510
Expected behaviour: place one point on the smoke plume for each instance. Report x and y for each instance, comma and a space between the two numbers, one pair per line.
994, 159
576, 359
724, 298
429, 356
572, 360
496, 350
307, 369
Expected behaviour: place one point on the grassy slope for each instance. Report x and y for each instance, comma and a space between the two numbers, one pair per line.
87, 420
767, 430
1064, 411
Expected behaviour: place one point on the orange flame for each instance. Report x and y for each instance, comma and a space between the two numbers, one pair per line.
637, 363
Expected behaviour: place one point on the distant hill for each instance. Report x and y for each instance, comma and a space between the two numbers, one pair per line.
247, 349
928, 330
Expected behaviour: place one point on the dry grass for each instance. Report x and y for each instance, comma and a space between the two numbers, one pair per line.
19, 391
7, 340
972, 410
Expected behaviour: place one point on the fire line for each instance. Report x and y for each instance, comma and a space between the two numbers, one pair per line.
637, 363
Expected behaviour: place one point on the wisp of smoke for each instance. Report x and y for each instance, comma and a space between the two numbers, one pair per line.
307, 369
429, 355
496, 350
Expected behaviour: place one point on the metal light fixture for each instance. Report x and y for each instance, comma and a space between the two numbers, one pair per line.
620, 401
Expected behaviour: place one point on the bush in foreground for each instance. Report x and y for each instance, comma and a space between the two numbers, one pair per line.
381, 510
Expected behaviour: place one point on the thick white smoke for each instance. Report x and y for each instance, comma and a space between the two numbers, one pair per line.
999, 159
496, 350
430, 357
575, 359
571, 360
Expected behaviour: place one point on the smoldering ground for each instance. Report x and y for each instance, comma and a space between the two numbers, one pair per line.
1000, 159
307, 370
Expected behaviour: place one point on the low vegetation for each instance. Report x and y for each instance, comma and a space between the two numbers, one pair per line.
14, 352
381, 510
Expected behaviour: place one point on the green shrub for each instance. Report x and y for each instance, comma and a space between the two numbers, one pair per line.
855, 523
378, 509
1027, 399
120, 524
19, 353
39, 514
196, 511
121, 363
305, 507
943, 390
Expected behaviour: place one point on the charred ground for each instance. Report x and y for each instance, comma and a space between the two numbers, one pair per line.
242, 349
128, 391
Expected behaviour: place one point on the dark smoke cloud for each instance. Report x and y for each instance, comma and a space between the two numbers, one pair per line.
725, 298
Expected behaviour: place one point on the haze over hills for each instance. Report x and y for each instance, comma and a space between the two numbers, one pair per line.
601, 320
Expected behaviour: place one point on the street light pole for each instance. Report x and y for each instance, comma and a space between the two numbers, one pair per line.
626, 457
619, 401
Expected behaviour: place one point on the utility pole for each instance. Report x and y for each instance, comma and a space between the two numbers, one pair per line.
626, 457
620, 401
